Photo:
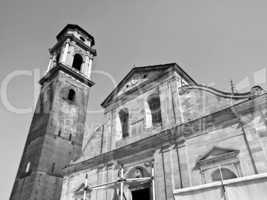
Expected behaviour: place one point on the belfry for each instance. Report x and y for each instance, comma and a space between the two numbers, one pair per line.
56, 132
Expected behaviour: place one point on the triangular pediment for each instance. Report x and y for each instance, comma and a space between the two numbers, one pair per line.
139, 76
216, 154
137, 79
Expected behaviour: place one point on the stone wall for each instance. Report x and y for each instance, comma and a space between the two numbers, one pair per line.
55, 138
202, 130
247, 188
178, 105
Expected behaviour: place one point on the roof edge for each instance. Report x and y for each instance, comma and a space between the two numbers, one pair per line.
144, 68
75, 26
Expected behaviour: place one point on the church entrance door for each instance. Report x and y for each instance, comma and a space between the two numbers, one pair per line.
141, 194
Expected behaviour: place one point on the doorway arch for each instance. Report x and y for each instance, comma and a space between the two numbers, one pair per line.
142, 187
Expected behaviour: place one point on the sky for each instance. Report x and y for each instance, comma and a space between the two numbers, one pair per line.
214, 41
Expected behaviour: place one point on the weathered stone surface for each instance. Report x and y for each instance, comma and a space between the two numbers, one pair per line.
157, 120
195, 120
56, 134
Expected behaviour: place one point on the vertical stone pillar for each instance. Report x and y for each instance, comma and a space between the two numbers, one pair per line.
113, 130
110, 169
100, 180
87, 67
85, 64
176, 168
50, 64
90, 64
107, 132
166, 163
174, 84
163, 174
166, 105
65, 52
185, 173
159, 177
105, 180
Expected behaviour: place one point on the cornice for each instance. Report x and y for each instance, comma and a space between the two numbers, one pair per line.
143, 87
60, 67
229, 95
165, 138
72, 38
169, 67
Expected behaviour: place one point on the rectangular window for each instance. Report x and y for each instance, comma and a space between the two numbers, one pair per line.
53, 167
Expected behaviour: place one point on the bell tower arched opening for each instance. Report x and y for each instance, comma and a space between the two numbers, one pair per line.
77, 62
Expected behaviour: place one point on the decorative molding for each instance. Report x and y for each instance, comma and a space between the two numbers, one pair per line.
167, 68
215, 155
154, 142
60, 67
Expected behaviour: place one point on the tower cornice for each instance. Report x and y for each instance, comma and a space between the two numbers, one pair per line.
60, 67
78, 42
75, 27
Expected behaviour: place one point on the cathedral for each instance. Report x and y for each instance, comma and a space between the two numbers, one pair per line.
164, 136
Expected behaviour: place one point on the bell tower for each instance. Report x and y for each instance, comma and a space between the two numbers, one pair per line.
57, 128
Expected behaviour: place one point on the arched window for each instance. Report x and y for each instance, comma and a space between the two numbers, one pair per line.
124, 118
154, 106
71, 95
222, 174
77, 62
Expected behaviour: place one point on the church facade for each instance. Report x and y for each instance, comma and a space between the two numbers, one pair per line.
164, 136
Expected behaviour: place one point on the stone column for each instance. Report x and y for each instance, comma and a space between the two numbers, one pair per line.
166, 105
65, 51
90, 63
86, 64
160, 183
176, 101
166, 165
184, 165
50, 64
